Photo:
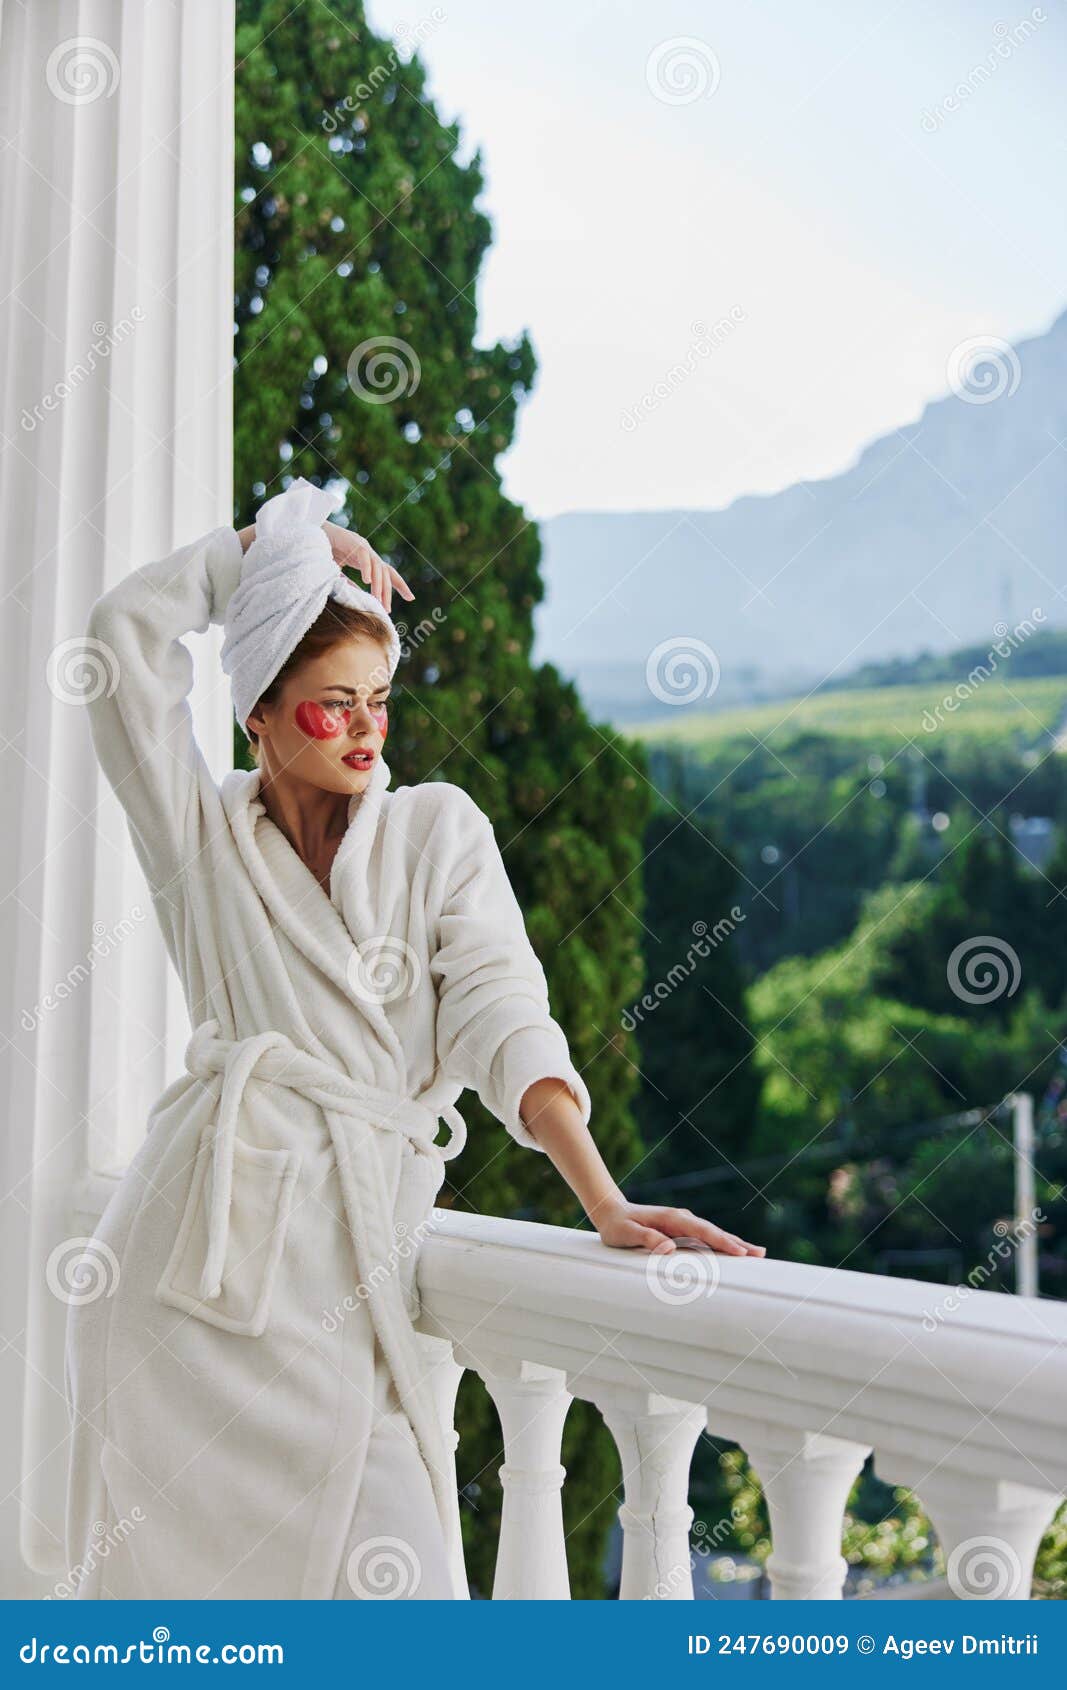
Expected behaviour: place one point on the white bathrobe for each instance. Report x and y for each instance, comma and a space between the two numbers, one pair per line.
225, 1394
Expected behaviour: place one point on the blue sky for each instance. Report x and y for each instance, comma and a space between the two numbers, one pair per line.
807, 240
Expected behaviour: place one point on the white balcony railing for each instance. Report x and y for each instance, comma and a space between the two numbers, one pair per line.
960, 1396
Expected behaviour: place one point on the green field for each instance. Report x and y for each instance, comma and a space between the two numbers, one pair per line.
1026, 712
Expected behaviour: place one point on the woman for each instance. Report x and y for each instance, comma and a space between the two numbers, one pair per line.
252, 1409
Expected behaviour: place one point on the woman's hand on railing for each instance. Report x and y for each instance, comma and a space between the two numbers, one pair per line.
645, 1226
552, 1117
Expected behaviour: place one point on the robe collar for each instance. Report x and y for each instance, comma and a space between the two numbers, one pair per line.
313, 921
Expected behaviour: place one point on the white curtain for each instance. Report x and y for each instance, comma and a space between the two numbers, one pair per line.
116, 308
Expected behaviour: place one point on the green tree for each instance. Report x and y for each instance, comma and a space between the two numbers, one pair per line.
358, 228
862, 1080
700, 1086
992, 926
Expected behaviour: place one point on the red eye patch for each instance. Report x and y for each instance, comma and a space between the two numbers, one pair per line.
380, 716
318, 722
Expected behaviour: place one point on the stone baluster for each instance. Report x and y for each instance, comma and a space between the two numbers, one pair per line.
806, 1479
989, 1529
532, 1402
655, 1437
444, 1373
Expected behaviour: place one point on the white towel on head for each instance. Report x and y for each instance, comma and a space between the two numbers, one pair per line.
287, 576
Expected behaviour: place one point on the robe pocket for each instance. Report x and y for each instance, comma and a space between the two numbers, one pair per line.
261, 1202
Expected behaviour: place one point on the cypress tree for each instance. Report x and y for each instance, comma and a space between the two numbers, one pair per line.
359, 244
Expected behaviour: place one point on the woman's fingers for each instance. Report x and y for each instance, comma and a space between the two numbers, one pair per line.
372, 573
629, 1234
656, 1242
352, 551
683, 1223
400, 584
645, 1226
726, 1243
381, 586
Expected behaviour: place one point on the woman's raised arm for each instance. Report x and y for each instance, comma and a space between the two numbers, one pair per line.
141, 723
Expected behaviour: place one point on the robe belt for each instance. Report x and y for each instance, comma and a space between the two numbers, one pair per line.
273, 1057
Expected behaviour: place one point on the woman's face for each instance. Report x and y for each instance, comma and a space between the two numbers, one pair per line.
328, 723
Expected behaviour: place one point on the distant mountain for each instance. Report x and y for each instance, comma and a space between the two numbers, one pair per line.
938, 535
1024, 654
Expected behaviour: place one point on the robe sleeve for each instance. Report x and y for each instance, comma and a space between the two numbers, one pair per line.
141, 724
495, 1031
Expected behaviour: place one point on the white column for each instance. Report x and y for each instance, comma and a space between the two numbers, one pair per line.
532, 1402
115, 386
655, 1437
806, 1479
444, 1373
